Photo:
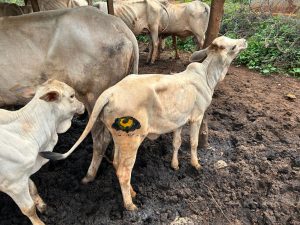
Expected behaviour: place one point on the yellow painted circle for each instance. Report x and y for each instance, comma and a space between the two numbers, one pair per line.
129, 123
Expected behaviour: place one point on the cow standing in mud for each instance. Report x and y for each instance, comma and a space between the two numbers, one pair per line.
150, 105
83, 47
26, 132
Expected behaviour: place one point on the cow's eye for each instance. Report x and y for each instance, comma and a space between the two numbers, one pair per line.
233, 47
72, 96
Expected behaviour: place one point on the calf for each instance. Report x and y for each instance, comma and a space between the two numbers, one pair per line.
141, 106
26, 132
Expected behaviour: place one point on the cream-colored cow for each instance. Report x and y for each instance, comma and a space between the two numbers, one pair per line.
141, 106
26, 132
186, 19
46, 5
141, 16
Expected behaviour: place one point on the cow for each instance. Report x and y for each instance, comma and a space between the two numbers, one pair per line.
11, 9
26, 132
186, 19
83, 47
150, 105
45, 5
141, 16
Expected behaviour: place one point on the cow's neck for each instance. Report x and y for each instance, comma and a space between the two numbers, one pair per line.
38, 122
214, 68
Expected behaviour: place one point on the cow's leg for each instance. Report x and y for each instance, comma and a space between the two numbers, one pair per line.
200, 39
115, 163
176, 146
21, 195
194, 133
155, 41
38, 201
126, 159
101, 139
203, 135
160, 43
150, 51
174, 41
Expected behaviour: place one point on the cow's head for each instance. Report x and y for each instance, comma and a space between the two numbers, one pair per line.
63, 102
222, 50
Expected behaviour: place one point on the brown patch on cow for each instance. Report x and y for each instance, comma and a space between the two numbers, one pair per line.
216, 47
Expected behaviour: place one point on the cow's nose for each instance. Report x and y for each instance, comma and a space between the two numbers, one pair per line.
244, 43
81, 109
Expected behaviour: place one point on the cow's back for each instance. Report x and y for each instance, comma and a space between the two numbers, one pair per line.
82, 47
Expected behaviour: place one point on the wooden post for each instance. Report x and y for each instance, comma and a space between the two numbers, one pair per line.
110, 7
35, 5
215, 18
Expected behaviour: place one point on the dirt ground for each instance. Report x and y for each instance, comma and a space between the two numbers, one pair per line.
253, 127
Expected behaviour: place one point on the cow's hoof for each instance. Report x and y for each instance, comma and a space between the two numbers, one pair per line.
42, 207
197, 166
131, 207
87, 179
175, 166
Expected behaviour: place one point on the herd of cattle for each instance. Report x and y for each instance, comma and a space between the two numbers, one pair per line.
49, 56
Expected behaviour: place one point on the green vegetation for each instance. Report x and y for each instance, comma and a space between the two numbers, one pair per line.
273, 41
19, 2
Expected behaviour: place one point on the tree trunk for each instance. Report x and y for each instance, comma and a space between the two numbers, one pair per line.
110, 7
35, 5
90, 2
215, 17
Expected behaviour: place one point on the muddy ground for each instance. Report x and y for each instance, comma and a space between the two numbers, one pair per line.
253, 127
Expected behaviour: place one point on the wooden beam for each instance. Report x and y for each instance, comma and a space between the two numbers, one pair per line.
35, 5
110, 7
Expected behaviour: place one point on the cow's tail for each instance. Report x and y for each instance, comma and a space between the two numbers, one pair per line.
99, 105
136, 54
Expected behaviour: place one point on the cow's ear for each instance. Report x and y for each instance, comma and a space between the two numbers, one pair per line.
198, 56
50, 96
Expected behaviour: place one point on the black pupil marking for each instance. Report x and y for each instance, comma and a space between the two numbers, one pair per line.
134, 124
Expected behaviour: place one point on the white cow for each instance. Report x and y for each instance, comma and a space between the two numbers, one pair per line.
141, 16
186, 19
26, 132
45, 5
141, 106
